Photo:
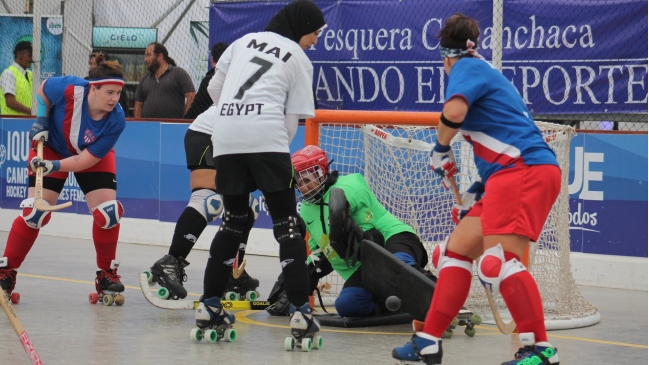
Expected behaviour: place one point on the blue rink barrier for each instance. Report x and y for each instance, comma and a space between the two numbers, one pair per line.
607, 182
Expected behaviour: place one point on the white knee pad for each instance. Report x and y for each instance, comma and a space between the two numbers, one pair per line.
493, 269
440, 260
33, 217
108, 214
199, 202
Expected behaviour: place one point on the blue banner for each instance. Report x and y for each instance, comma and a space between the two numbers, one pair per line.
383, 54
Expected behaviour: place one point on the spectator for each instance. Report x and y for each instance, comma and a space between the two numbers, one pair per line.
16, 82
95, 60
166, 91
202, 101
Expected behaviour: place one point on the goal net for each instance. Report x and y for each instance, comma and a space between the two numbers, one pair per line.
393, 156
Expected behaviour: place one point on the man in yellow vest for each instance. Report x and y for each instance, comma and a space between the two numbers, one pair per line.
16, 83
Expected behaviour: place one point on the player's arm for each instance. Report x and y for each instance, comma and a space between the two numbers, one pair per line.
75, 163
453, 115
290, 122
215, 86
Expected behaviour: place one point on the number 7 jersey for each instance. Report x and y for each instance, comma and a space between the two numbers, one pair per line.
267, 76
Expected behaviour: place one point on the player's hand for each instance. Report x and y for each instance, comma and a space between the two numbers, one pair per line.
47, 165
472, 195
442, 161
40, 129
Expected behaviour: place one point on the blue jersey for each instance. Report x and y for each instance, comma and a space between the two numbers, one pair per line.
498, 124
71, 128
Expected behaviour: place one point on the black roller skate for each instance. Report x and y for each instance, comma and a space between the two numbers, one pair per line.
242, 288
169, 273
109, 287
8, 281
213, 322
534, 352
304, 328
464, 318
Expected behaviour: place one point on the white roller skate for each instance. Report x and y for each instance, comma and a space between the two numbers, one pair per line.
213, 322
534, 353
304, 328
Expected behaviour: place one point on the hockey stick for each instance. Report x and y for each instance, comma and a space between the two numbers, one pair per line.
38, 198
505, 328
20, 331
237, 269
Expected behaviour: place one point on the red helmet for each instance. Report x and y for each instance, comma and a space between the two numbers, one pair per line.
310, 156
311, 169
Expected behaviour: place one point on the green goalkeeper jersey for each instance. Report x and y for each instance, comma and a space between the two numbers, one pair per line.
365, 210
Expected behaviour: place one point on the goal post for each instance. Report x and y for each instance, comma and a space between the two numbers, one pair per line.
391, 150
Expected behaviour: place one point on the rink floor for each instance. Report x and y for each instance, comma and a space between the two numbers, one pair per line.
57, 276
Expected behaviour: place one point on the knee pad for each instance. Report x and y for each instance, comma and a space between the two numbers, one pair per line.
108, 214
493, 269
199, 201
440, 260
235, 224
33, 217
287, 228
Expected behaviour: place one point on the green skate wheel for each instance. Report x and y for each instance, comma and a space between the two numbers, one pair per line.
447, 334
163, 293
211, 335
231, 296
318, 342
196, 334
469, 332
289, 343
230, 335
455, 322
252, 296
306, 344
149, 278
107, 300
476, 319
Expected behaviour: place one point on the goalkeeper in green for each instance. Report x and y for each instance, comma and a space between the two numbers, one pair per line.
368, 219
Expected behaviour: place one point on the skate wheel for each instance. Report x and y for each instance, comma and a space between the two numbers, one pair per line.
15, 298
196, 334
211, 335
289, 343
230, 335
455, 322
231, 296
306, 344
469, 332
119, 299
476, 319
318, 342
108, 300
93, 298
447, 334
163, 293
149, 278
252, 296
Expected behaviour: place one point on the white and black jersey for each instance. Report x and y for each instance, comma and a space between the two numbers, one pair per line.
204, 122
266, 77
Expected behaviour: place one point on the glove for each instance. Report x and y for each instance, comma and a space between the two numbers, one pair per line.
40, 129
47, 165
442, 161
472, 195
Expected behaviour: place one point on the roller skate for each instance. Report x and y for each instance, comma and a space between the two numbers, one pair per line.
213, 322
169, 273
242, 288
8, 281
534, 353
109, 288
422, 347
465, 318
304, 329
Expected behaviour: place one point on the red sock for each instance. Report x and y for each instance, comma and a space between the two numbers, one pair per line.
451, 291
105, 245
523, 299
20, 241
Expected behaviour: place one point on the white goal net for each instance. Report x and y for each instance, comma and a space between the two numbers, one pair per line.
395, 163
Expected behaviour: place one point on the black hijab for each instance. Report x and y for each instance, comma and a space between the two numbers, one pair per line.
296, 20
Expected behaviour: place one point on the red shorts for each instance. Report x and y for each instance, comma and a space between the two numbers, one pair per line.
106, 164
518, 200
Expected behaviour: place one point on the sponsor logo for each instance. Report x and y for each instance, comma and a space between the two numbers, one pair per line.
309, 223
286, 262
229, 262
190, 237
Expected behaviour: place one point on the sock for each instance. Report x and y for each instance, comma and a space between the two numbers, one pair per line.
292, 255
217, 272
451, 291
244, 239
105, 245
523, 299
189, 227
20, 241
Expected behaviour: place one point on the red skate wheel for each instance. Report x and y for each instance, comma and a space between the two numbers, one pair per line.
15, 298
93, 298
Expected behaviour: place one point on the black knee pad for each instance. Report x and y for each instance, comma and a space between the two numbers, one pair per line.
287, 228
236, 223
